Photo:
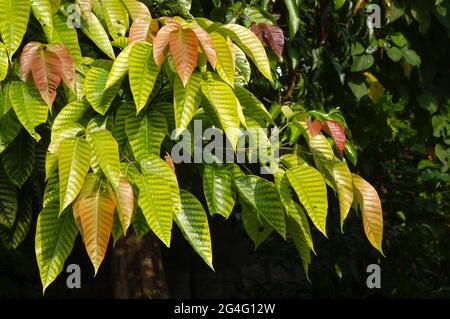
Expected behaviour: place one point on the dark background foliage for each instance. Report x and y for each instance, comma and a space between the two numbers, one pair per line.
401, 134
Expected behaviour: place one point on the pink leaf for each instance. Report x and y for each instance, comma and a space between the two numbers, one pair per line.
143, 29
337, 133
206, 44
67, 64
314, 127
26, 57
161, 42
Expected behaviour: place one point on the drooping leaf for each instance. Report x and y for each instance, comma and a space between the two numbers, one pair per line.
28, 105
125, 203
18, 159
314, 127
257, 228
46, 69
263, 196
12, 237
66, 123
136, 9
161, 42
343, 180
116, 17
96, 94
206, 45
337, 132
300, 243
55, 235
93, 29
252, 107
67, 64
372, 213
225, 58
95, 207
186, 100
218, 189
9, 124
8, 200
193, 222
14, 15
143, 73
183, 46
67, 36
222, 99
106, 151
119, 68
156, 185
145, 133
42, 10
120, 118
143, 30
250, 44
4, 64
310, 187
74, 162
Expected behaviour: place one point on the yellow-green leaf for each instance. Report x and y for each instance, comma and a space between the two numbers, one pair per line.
42, 10
143, 72
14, 15
310, 187
372, 213
94, 30
218, 189
116, 16
30, 109
225, 58
186, 100
74, 162
193, 222
257, 228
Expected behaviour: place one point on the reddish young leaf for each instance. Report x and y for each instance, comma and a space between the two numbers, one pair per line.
206, 44
67, 63
257, 30
26, 57
337, 133
183, 46
169, 162
275, 38
125, 203
161, 42
314, 127
46, 69
143, 29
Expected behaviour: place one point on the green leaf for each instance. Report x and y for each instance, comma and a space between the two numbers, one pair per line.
139, 223
372, 213
66, 123
4, 64
193, 222
14, 15
310, 187
412, 58
66, 35
222, 99
294, 17
74, 163
8, 201
106, 151
120, 118
242, 67
94, 30
42, 10
145, 133
362, 62
12, 237
218, 189
156, 185
116, 17
300, 242
358, 87
263, 196
293, 210
55, 235
342, 179
30, 109
95, 88
257, 228
9, 124
250, 44
143, 73
225, 58
119, 68
18, 159
186, 100
252, 107
394, 53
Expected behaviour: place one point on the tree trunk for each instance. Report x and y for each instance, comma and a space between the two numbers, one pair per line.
137, 268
